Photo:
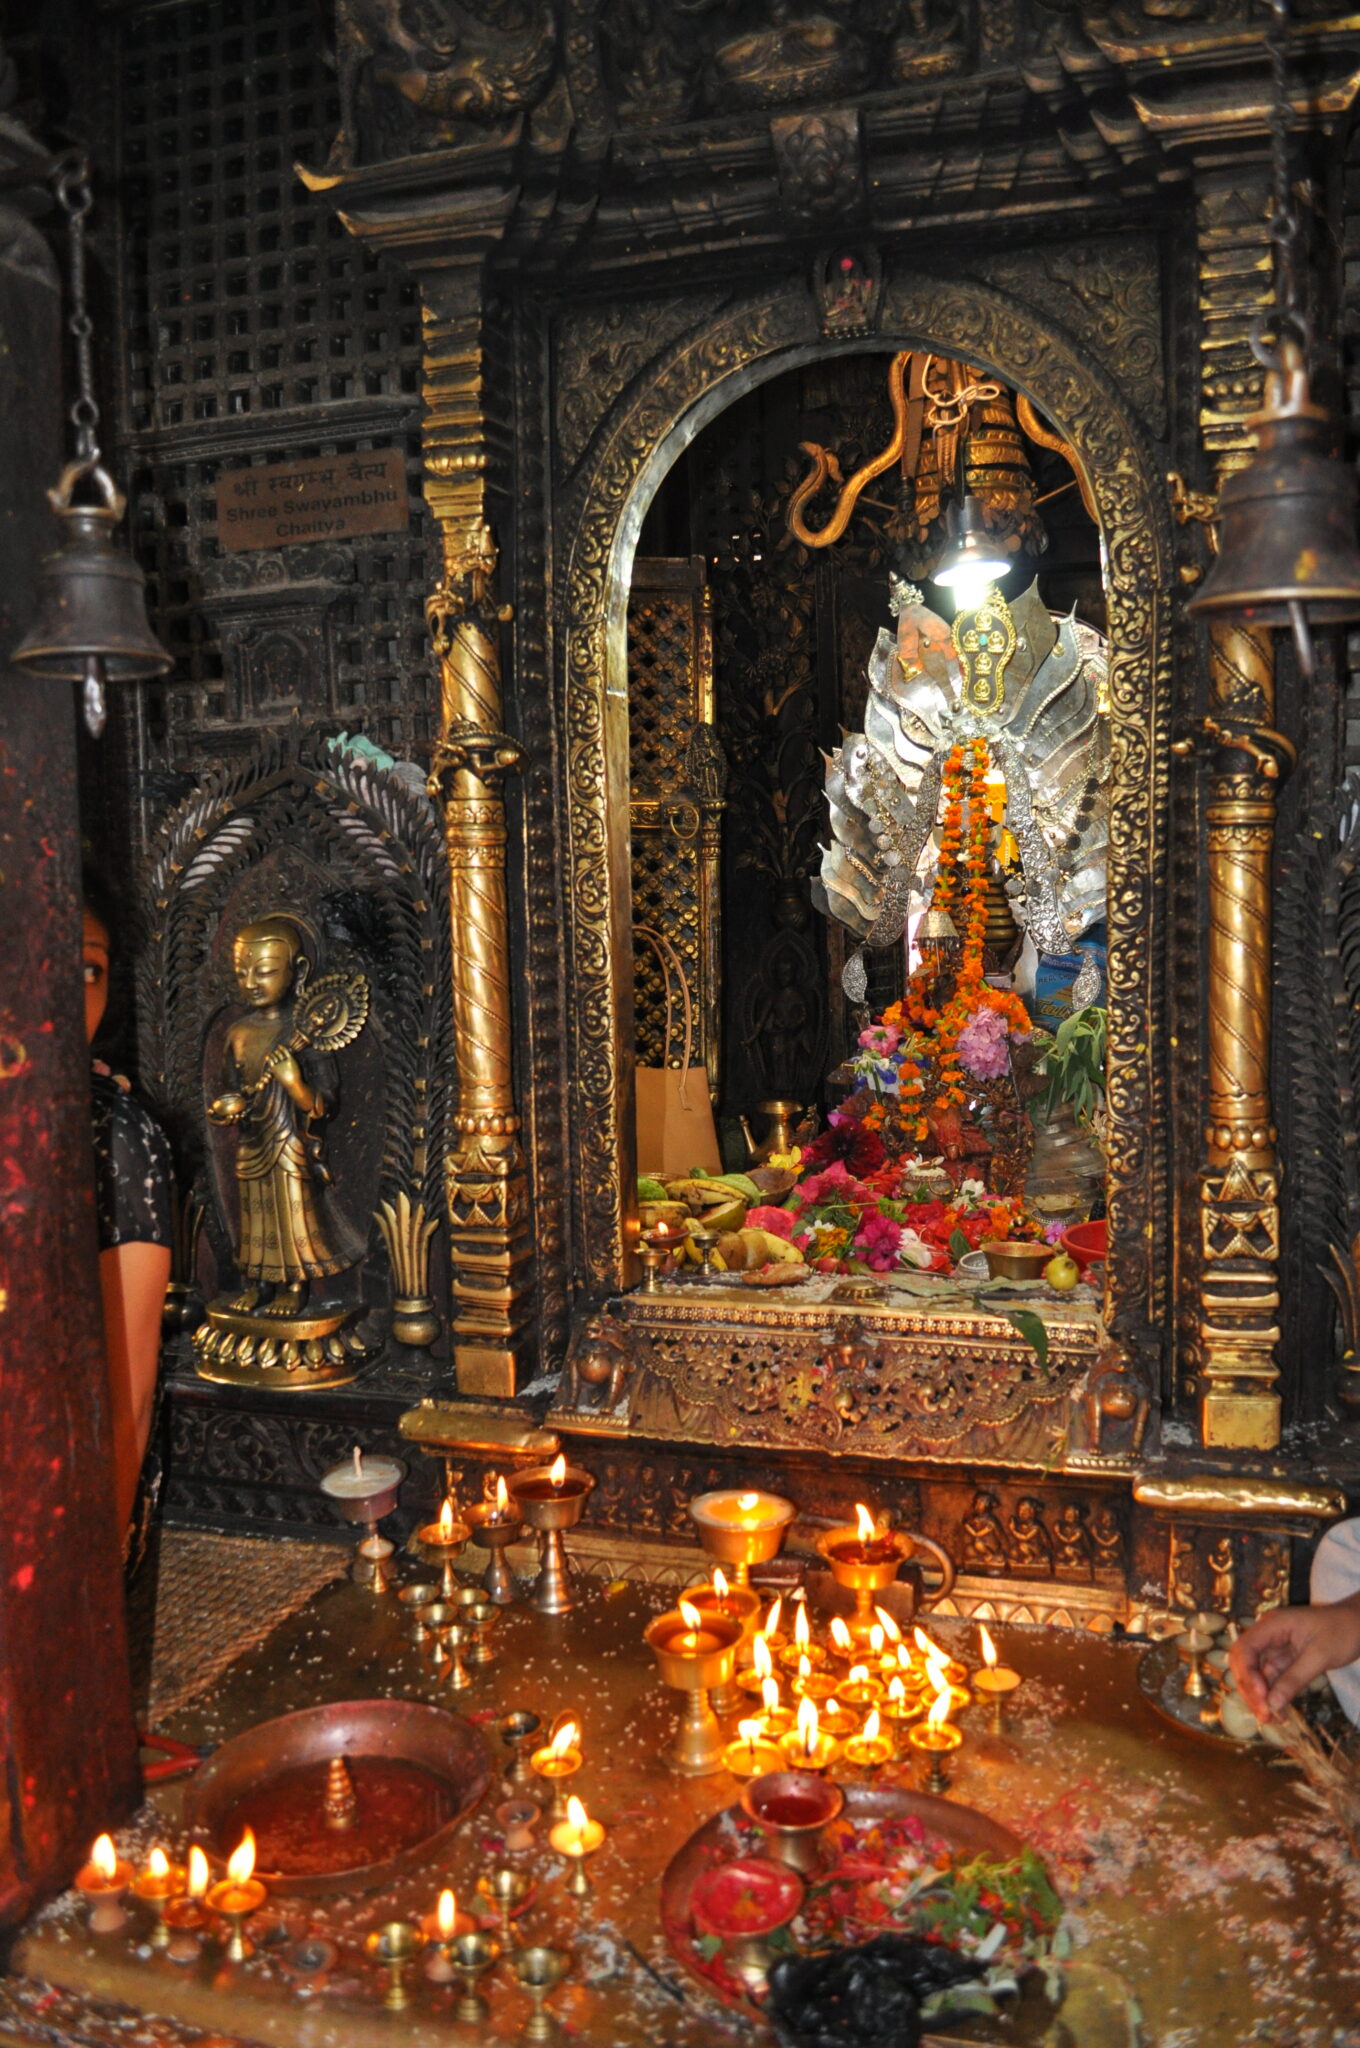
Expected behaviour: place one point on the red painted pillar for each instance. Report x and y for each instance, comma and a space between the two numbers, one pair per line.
68, 1754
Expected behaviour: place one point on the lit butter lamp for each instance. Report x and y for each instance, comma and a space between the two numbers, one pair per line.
739, 1604
156, 1886
761, 1666
742, 1529
837, 1720
236, 1896
995, 1681
807, 1746
102, 1881
952, 1673
812, 1685
800, 1644
935, 1737
871, 1747
860, 1688
775, 1718
864, 1560
577, 1837
551, 1498
440, 1929
773, 1628
750, 1756
558, 1759
440, 1542
494, 1526
900, 1706
185, 1915
694, 1653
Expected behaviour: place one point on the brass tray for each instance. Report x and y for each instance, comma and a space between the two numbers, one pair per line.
438, 1744
1158, 1673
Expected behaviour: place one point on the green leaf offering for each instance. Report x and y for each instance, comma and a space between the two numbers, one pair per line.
959, 1246
1033, 1330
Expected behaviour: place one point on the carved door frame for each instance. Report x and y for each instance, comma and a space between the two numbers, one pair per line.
670, 399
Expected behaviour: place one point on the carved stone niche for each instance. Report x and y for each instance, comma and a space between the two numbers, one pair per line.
271, 613
341, 841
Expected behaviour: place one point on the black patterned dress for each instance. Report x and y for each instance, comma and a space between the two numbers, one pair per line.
133, 1198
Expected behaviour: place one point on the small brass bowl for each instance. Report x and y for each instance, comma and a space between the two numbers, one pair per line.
1011, 1258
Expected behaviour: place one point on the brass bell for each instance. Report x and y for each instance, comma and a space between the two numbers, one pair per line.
91, 623
1287, 547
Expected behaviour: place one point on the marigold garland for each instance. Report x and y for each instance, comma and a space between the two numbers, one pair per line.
931, 1031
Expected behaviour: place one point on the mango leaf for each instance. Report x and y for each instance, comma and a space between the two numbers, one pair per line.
1033, 1330
959, 1246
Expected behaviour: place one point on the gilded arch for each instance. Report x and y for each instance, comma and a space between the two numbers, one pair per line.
669, 398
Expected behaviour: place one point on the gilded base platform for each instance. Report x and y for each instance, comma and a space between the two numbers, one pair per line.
248, 1348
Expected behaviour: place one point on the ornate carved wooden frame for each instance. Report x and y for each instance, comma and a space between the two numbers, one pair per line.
683, 386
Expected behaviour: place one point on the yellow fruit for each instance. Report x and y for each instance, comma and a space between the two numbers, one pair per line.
1062, 1273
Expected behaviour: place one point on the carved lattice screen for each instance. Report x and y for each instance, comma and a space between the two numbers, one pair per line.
256, 330
677, 780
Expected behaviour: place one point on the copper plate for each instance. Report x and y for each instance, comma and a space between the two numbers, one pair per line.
965, 1829
397, 1731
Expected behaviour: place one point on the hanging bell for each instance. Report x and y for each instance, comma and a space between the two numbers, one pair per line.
91, 624
1287, 547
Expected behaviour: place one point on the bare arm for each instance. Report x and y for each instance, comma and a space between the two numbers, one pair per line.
132, 1279
1287, 1649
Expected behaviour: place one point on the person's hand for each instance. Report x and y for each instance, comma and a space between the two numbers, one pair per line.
1287, 1649
285, 1069
227, 1109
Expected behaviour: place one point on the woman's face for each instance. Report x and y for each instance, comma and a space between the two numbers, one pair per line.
96, 944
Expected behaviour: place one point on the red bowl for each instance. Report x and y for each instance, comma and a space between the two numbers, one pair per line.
1087, 1243
746, 1899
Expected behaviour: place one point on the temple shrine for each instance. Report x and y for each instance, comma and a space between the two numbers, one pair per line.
680, 874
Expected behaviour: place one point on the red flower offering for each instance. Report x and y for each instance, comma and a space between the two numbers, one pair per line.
746, 1899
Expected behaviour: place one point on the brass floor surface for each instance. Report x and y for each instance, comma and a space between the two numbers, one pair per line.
1207, 1909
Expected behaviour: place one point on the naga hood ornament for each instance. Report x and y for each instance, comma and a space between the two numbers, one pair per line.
1033, 684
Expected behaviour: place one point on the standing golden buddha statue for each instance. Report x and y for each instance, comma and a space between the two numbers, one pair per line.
278, 1084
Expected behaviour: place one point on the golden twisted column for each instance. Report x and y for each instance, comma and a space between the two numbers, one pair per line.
1239, 1184
484, 1172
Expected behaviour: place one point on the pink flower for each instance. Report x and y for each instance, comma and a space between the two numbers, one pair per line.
983, 1044
877, 1241
833, 1184
881, 1038
779, 1221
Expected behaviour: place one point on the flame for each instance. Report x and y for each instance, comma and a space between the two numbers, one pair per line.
446, 1521
896, 1690
158, 1864
807, 1726
802, 1634
833, 1706
690, 1614
888, 1625
760, 1656
772, 1619
859, 1674
872, 1724
929, 1649
865, 1521
446, 1915
502, 1497
104, 1857
988, 1649
241, 1862
720, 1582
937, 1713
557, 1471
197, 1882
804, 1667
876, 1640
563, 1739
661, 1228
576, 1815
749, 1731
746, 1501
840, 1634
769, 1695
903, 1657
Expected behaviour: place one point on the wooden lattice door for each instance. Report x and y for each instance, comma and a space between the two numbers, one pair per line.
677, 781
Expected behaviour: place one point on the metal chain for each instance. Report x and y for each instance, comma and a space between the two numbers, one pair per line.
71, 181
1285, 225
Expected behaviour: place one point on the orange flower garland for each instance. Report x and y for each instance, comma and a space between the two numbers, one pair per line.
960, 889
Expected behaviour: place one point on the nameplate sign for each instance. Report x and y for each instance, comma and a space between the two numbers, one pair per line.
328, 497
